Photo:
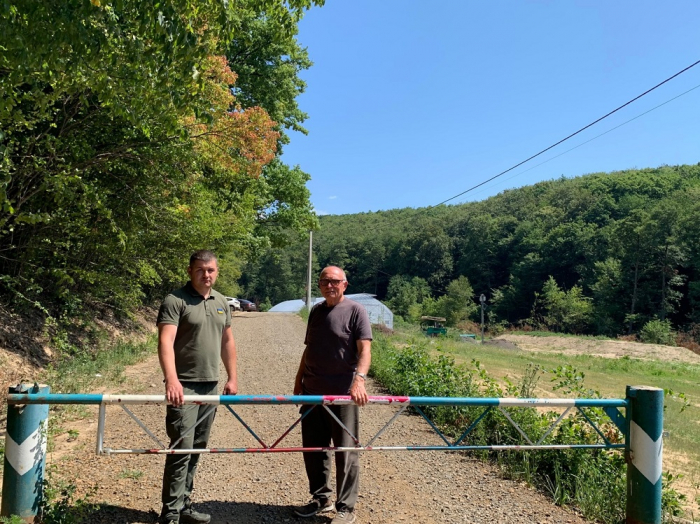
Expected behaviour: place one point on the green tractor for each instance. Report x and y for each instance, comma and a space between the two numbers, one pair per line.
433, 326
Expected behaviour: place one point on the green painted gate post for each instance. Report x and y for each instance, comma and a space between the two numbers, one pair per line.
643, 452
25, 456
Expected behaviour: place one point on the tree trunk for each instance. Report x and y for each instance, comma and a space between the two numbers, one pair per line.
634, 296
662, 314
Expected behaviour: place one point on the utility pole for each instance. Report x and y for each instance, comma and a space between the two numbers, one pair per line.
482, 299
308, 274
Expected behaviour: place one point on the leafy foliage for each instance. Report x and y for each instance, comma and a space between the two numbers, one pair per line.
405, 296
658, 332
60, 504
560, 310
123, 147
12, 519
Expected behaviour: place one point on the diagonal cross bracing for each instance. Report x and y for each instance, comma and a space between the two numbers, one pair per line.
609, 406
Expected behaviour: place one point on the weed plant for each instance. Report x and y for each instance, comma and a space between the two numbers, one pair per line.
60, 505
592, 480
133, 474
304, 314
12, 519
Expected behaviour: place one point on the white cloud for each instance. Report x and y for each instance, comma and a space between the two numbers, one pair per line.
332, 197
320, 212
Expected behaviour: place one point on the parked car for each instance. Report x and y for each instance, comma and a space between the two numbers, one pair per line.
247, 305
233, 303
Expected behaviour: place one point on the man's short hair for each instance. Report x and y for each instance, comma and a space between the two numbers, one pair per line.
204, 255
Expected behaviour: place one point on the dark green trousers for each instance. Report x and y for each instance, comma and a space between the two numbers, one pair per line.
318, 429
178, 475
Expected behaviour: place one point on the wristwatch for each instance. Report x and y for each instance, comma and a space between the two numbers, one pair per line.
361, 375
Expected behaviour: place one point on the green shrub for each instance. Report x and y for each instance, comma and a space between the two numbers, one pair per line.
671, 500
265, 305
658, 332
560, 310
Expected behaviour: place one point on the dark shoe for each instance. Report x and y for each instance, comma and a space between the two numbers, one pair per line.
315, 507
344, 517
166, 518
189, 516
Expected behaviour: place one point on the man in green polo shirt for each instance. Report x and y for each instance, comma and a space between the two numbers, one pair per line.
194, 332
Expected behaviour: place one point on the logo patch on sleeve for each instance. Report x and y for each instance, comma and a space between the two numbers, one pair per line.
219, 311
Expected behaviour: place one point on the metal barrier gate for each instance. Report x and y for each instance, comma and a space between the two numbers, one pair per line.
641, 424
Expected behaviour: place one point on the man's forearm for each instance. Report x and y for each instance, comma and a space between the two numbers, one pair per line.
166, 357
229, 359
364, 359
229, 355
364, 356
166, 351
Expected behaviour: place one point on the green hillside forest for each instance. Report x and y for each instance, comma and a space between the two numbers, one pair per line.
604, 254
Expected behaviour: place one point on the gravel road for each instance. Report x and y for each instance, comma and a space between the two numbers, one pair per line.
397, 486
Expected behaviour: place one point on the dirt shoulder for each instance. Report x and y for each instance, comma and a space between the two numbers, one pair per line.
24, 341
23, 347
601, 348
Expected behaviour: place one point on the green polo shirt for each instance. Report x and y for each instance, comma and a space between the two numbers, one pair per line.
200, 325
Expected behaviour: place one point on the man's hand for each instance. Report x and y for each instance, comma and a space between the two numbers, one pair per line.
299, 379
298, 386
231, 387
357, 391
174, 393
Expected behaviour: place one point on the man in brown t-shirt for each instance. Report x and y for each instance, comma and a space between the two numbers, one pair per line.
335, 362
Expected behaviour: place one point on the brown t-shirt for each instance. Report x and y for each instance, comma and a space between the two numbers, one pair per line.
331, 346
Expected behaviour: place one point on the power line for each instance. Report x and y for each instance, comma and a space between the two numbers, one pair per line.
571, 135
385, 224
390, 222
603, 133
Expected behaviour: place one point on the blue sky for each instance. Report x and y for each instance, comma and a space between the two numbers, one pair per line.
411, 103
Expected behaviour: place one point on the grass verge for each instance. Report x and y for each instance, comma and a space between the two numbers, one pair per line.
610, 377
591, 480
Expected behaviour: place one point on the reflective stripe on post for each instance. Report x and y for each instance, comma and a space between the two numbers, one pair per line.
644, 453
25, 456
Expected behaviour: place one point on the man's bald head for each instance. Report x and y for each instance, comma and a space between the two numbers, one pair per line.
332, 284
334, 270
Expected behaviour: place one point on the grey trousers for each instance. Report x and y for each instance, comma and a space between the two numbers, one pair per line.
179, 471
318, 429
